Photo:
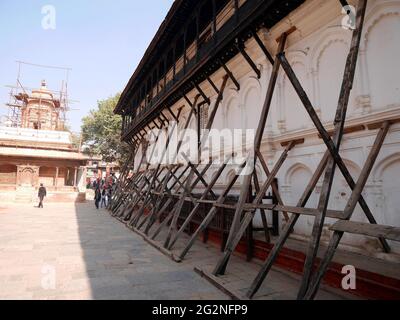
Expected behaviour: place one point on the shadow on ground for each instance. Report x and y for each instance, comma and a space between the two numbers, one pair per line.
120, 265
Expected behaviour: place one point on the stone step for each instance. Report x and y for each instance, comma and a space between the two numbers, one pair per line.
23, 196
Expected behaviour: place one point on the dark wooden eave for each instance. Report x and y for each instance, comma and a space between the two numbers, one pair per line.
175, 17
253, 15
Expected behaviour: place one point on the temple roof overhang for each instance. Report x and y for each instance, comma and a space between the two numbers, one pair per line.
27, 135
6, 151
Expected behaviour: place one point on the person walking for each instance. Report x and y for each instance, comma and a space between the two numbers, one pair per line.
41, 194
97, 197
104, 198
109, 196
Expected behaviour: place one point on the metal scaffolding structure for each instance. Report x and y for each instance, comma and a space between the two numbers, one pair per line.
19, 96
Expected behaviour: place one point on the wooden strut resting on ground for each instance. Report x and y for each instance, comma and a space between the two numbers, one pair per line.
151, 199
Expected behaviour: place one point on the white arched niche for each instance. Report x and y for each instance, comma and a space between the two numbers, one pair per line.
251, 103
296, 116
382, 45
328, 59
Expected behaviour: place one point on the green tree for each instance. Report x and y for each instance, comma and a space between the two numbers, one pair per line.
101, 132
76, 140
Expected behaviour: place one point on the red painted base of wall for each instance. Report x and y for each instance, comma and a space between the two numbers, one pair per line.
369, 285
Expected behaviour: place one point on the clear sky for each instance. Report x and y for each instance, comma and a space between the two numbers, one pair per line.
101, 40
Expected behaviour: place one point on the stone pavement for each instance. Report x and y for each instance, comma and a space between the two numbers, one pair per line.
73, 251
279, 285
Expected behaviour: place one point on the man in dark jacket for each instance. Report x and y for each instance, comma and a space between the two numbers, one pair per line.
41, 194
97, 197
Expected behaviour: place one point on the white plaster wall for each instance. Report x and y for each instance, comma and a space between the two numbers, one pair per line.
26, 134
317, 52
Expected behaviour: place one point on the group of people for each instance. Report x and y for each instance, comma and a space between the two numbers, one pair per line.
102, 195
103, 192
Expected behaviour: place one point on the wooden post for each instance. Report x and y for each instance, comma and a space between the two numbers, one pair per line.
262, 211
340, 119
75, 176
249, 231
56, 180
275, 213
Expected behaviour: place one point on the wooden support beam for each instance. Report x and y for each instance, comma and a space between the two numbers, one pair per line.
327, 140
340, 118
262, 211
147, 188
251, 161
219, 283
172, 114
336, 214
133, 222
160, 213
274, 186
180, 141
348, 211
211, 117
164, 119
177, 209
211, 213
248, 59
248, 215
212, 84
230, 74
224, 206
147, 167
296, 142
197, 206
206, 99
187, 100
197, 173
367, 229
156, 124
266, 267
262, 47
347, 130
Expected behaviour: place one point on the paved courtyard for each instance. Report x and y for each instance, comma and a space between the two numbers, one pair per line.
73, 251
